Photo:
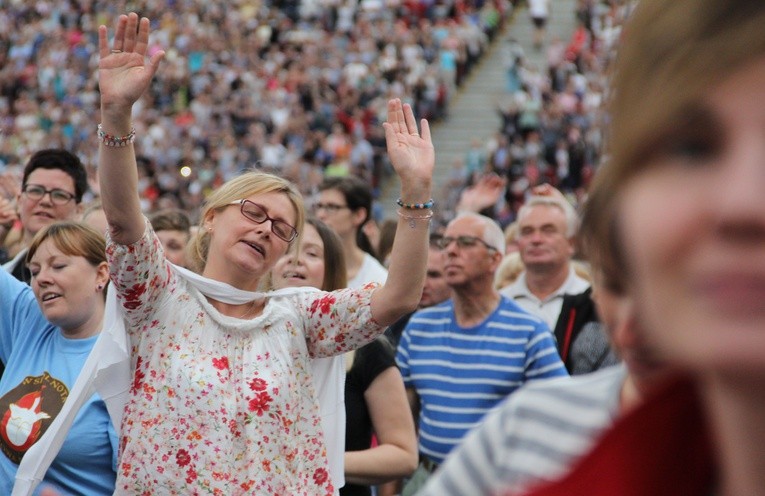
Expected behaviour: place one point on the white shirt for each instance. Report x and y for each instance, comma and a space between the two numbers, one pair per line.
370, 271
539, 8
549, 308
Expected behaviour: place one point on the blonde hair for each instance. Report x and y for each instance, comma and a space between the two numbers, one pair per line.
73, 238
243, 186
509, 269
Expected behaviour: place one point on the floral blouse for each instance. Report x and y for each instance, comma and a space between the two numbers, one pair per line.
220, 405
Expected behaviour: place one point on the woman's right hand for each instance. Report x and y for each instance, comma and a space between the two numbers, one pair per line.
123, 72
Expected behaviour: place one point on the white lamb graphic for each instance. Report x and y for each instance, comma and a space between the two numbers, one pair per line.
22, 421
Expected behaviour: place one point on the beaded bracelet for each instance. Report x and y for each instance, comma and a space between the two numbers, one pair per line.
115, 141
413, 218
415, 206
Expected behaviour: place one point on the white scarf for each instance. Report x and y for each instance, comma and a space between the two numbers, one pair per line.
107, 372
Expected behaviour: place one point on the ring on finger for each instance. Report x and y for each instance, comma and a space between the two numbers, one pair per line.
114, 50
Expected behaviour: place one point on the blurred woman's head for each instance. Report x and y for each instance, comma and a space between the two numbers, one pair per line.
317, 261
67, 261
685, 179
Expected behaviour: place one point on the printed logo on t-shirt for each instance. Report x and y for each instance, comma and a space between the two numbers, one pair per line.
27, 410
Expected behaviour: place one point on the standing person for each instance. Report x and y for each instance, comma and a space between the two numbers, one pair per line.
345, 205
320, 263
549, 286
547, 228
46, 333
685, 177
435, 290
52, 186
539, 10
222, 398
375, 400
540, 432
462, 357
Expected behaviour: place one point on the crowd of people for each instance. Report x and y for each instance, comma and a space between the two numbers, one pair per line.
555, 338
296, 88
552, 117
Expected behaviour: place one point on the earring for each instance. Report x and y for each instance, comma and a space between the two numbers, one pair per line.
99, 287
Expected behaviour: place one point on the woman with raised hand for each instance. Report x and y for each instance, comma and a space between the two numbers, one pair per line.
222, 399
46, 333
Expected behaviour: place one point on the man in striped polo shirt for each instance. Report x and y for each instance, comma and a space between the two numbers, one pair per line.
462, 357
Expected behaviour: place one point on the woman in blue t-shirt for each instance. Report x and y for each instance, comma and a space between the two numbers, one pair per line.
46, 333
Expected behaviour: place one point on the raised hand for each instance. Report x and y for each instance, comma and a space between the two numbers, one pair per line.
484, 193
124, 73
10, 186
7, 212
411, 152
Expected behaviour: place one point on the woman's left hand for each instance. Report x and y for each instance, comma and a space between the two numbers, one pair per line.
411, 152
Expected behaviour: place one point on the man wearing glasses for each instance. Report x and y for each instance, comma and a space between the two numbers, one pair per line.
462, 357
53, 183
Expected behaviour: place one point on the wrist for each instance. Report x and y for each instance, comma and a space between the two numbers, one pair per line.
116, 119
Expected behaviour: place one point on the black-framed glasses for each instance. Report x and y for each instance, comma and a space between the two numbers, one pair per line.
329, 207
258, 215
36, 192
463, 242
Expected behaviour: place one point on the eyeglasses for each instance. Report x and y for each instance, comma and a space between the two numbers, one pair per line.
36, 192
329, 207
463, 242
258, 215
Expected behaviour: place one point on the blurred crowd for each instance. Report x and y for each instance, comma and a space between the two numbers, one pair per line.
552, 117
297, 88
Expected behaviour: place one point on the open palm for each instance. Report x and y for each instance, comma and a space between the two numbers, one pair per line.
124, 73
411, 152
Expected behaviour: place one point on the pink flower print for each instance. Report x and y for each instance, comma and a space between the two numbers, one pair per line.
191, 475
133, 296
257, 384
324, 305
138, 375
320, 476
220, 363
182, 458
260, 402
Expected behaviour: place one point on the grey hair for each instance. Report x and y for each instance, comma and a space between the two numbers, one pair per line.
572, 218
492, 232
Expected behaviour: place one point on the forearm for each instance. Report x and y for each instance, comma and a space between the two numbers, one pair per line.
379, 464
118, 180
123, 76
408, 258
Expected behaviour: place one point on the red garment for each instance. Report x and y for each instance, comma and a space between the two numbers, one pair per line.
662, 448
